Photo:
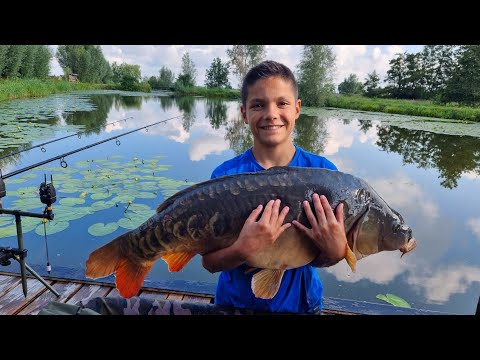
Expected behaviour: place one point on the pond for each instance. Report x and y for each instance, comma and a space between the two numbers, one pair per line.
429, 171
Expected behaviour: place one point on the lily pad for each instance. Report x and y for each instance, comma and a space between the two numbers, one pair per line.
52, 227
101, 229
132, 221
394, 300
70, 201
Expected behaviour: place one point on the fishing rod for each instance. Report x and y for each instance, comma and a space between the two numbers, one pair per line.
63, 163
65, 137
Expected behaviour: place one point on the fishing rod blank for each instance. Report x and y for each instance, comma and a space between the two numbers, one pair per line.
62, 138
63, 163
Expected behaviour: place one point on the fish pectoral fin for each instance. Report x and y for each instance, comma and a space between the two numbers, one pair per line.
351, 258
177, 260
266, 283
129, 277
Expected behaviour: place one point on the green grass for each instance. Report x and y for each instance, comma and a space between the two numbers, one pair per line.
405, 107
16, 89
230, 94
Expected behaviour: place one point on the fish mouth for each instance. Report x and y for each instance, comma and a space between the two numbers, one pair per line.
409, 246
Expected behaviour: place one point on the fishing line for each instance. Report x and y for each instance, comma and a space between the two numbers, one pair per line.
65, 137
63, 163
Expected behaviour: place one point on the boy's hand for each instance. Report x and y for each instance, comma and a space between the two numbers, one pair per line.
256, 235
327, 231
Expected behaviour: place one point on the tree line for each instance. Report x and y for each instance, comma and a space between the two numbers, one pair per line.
443, 73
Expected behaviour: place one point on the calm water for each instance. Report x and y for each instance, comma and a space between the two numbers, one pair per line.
431, 179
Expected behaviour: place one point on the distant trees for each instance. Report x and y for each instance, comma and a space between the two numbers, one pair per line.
464, 83
127, 75
25, 61
315, 74
165, 80
217, 75
188, 74
350, 86
244, 57
85, 60
372, 84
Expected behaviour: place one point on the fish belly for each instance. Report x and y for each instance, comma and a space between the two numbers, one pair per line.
290, 250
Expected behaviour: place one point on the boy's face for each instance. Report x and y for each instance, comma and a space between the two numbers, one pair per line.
271, 111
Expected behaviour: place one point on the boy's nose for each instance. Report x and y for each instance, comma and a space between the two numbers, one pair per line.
271, 111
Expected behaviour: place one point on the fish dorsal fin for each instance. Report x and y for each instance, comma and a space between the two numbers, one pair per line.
266, 283
176, 261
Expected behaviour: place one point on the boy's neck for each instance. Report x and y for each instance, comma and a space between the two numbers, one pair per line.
274, 156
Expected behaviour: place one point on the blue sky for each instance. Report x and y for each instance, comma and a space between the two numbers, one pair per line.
357, 59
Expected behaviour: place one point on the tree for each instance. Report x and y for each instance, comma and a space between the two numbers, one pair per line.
166, 78
3, 58
350, 86
127, 75
85, 60
189, 72
244, 57
371, 84
42, 62
217, 75
315, 74
14, 59
464, 85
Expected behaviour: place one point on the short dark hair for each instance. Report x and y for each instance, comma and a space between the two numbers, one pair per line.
265, 70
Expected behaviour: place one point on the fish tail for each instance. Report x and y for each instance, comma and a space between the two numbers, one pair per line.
351, 258
129, 272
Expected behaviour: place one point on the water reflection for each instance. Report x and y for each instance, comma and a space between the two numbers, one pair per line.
443, 273
187, 105
451, 155
94, 121
216, 111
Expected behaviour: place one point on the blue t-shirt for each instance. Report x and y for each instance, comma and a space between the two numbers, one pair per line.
301, 289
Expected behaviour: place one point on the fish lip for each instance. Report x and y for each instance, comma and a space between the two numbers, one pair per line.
409, 246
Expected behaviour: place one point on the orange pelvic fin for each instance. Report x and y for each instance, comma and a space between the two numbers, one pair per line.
176, 261
109, 259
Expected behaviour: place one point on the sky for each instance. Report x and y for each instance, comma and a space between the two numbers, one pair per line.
357, 59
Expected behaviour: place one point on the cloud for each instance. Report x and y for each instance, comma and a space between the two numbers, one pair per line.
389, 262
474, 225
202, 146
439, 285
344, 136
472, 175
399, 191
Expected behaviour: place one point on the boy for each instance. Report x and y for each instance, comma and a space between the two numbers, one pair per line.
270, 106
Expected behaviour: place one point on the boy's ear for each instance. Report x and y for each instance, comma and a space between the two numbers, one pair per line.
298, 107
244, 114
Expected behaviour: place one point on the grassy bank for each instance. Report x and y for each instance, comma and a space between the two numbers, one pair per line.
16, 89
405, 107
228, 94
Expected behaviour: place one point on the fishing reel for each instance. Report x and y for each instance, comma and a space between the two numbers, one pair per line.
48, 194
